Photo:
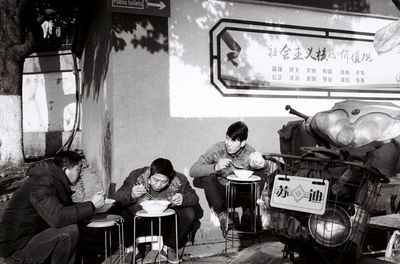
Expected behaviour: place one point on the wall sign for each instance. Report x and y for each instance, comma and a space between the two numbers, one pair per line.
278, 60
143, 7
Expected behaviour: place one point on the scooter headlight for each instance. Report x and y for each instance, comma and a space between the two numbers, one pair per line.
332, 228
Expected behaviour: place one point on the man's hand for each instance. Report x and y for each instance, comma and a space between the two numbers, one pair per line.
177, 199
137, 191
222, 164
98, 199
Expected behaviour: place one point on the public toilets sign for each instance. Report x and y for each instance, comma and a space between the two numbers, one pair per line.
142, 7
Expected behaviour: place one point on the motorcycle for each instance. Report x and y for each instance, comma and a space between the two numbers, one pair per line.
328, 176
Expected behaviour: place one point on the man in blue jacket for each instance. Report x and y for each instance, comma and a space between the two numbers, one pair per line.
40, 221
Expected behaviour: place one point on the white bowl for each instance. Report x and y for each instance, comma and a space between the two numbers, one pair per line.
243, 174
107, 205
155, 206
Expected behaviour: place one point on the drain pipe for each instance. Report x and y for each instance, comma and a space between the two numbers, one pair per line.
75, 128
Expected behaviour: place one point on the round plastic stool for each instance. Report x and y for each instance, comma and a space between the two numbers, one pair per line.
233, 182
144, 214
107, 221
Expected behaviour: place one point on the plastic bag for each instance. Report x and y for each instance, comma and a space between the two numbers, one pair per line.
263, 202
392, 252
387, 38
256, 160
214, 218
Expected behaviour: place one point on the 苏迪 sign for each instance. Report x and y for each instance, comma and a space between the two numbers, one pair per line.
302, 194
142, 7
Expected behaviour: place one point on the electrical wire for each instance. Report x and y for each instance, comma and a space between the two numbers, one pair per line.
77, 118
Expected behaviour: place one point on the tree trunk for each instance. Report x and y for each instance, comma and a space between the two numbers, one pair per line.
11, 131
18, 28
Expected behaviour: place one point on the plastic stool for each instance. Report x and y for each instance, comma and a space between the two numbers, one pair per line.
107, 221
156, 241
144, 214
233, 182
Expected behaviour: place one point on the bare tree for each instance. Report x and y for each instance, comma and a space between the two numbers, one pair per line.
20, 35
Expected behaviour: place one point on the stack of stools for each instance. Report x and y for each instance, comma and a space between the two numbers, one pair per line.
108, 221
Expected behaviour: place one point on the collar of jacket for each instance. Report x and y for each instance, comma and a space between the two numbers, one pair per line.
60, 175
173, 187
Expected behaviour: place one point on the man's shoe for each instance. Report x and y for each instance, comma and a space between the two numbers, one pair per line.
231, 221
172, 256
246, 221
222, 222
138, 258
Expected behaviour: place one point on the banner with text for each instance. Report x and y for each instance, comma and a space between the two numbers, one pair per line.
280, 60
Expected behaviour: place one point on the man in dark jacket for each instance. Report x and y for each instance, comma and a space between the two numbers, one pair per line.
40, 221
161, 182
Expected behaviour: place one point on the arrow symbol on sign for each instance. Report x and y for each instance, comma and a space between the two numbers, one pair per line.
160, 5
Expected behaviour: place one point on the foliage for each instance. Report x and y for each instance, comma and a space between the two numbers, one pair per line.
59, 18
63, 13
361, 6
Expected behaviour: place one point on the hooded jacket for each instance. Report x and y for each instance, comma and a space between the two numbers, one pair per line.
43, 201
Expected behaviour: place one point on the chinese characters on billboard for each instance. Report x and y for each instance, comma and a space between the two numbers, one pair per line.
276, 60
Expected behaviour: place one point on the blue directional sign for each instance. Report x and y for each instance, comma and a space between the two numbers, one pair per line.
143, 7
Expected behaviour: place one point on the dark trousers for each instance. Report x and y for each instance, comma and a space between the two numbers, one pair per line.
53, 245
213, 190
186, 220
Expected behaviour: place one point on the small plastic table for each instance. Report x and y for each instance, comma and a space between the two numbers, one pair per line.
107, 221
233, 182
144, 214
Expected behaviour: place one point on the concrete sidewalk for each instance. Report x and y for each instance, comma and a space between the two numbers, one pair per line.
239, 252
264, 252
267, 251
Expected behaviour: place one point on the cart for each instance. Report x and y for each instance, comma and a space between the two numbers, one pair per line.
320, 207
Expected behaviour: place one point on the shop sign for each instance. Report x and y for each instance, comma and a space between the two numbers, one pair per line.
300, 194
143, 7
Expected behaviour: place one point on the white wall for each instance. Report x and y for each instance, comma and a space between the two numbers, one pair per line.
140, 73
189, 39
49, 102
97, 96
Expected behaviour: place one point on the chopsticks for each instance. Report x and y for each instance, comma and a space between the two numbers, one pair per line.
236, 166
148, 195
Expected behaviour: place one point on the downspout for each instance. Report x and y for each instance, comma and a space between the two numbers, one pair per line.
75, 128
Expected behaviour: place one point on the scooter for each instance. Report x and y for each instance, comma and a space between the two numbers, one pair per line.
341, 150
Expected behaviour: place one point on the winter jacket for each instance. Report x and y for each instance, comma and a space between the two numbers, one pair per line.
179, 184
43, 201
